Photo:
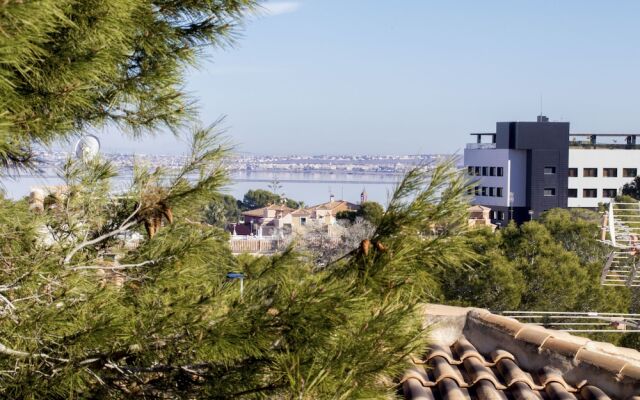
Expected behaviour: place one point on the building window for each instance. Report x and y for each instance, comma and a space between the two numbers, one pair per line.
491, 191
610, 172
573, 172
476, 190
550, 192
484, 190
500, 171
572, 193
501, 215
629, 172
303, 221
591, 193
610, 193
549, 170
477, 170
498, 192
590, 173
485, 171
492, 171
470, 170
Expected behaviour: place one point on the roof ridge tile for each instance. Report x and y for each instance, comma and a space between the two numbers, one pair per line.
601, 360
506, 324
533, 335
631, 371
562, 346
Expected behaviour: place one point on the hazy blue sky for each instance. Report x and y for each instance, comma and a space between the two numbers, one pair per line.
408, 76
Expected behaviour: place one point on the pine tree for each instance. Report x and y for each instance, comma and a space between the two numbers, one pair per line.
85, 315
68, 65
163, 320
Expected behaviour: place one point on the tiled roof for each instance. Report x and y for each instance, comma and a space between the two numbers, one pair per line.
487, 356
478, 208
301, 212
259, 212
333, 204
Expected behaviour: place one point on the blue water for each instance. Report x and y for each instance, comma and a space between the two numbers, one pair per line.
312, 188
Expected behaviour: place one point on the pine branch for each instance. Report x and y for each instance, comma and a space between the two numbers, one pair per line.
23, 354
125, 225
99, 239
116, 267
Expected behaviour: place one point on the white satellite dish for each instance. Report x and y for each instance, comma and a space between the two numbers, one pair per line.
87, 148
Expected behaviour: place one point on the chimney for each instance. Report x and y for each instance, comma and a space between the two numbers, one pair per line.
332, 198
542, 118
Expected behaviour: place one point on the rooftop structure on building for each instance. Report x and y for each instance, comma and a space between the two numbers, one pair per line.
525, 168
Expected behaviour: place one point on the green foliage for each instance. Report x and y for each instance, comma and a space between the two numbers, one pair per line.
553, 264
222, 210
371, 211
553, 275
163, 319
259, 198
490, 280
632, 189
68, 65
347, 215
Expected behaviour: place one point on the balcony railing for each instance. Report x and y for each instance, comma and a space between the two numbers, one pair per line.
589, 145
478, 146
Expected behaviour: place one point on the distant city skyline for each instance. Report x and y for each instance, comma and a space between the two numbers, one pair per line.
413, 77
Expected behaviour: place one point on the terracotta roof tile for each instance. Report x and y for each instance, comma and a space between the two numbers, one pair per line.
561, 346
557, 391
477, 372
462, 372
499, 354
465, 349
512, 374
443, 370
600, 360
442, 351
589, 392
414, 390
533, 335
509, 325
631, 371
550, 375
480, 355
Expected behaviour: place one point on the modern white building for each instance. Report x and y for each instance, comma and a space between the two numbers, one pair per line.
526, 168
600, 166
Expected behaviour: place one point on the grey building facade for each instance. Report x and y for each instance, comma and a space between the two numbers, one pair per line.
522, 170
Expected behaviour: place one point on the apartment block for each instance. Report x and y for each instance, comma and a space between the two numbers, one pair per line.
525, 168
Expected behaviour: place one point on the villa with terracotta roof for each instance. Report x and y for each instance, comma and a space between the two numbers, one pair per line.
280, 219
475, 354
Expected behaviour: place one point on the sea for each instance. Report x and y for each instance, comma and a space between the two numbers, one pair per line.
310, 187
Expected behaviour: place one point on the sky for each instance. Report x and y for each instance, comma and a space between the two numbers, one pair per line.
413, 76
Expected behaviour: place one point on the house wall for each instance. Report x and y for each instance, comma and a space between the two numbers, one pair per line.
513, 180
599, 158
